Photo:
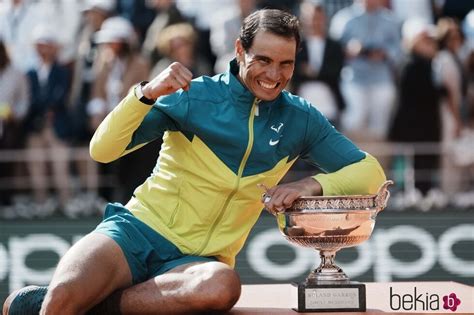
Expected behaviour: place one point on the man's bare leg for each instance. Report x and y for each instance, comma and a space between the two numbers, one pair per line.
95, 271
190, 288
89, 272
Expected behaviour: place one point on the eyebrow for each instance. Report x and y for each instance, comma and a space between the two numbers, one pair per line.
262, 57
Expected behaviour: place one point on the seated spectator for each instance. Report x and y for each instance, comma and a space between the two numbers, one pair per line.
47, 123
13, 104
177, 43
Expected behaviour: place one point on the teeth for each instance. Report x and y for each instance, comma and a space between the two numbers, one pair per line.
267, 86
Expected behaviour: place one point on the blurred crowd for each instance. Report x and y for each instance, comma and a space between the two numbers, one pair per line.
382, 71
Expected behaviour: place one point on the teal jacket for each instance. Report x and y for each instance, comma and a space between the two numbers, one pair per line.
219, 142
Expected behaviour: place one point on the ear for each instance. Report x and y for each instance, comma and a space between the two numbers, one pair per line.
239, 50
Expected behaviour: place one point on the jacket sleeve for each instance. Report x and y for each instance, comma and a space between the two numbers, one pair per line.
359, 178
132, 124
347, 169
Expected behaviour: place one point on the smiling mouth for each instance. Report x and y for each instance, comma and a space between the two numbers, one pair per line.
268, 85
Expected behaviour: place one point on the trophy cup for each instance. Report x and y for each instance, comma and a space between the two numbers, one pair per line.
328, 224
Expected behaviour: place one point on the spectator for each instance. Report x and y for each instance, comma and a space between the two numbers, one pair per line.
372, 43
177, 43
408, 9
95, 12
285, 5
119, 66
166, 14
201, 13
418, 114
331, 7
340, 19
318, 66
224, 29
47, 123
13, 104
19, 17
455, 8
468, 29
139, 13
450, 71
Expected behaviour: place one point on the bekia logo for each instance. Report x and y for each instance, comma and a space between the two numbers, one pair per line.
451, 302
422, 301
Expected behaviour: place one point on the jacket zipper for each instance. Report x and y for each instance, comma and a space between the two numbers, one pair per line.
239, 175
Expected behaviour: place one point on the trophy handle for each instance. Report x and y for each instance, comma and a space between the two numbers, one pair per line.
382, 196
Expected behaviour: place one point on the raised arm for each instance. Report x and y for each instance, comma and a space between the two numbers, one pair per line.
121, 131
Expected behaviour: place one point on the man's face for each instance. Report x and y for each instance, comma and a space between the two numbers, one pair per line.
268, 65
47, 51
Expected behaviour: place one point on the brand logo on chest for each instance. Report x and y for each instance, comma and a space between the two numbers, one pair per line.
276, 128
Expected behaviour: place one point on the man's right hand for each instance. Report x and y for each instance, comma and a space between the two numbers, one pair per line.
173, 78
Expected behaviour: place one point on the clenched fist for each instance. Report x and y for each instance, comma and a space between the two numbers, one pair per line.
173, 78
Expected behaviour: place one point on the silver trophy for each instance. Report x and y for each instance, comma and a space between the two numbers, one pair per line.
328, 224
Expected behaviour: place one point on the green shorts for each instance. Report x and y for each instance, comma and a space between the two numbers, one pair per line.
147, 252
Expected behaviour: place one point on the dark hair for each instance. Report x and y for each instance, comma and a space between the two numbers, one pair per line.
274, 21
4, 59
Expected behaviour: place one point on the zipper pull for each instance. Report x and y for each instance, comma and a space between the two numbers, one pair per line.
257, 112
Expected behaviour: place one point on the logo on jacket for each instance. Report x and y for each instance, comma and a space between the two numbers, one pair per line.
277, 130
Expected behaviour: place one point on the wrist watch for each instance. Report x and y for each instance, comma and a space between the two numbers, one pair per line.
139, 94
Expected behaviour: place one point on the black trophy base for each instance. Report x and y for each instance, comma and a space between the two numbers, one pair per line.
344, 297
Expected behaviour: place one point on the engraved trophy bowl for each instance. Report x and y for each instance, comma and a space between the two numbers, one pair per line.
330, 223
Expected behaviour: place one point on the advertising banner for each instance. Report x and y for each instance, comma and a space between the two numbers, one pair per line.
405, 246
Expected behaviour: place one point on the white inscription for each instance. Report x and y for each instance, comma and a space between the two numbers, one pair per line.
331, 298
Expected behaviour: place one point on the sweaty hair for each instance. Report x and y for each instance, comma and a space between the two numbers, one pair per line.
270, 20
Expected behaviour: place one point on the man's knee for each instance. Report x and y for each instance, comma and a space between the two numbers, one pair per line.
222, 287
60, 300
228, 292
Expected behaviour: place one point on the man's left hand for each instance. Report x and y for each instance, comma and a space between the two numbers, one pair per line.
281, 197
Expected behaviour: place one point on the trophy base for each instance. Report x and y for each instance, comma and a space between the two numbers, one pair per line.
334, 297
